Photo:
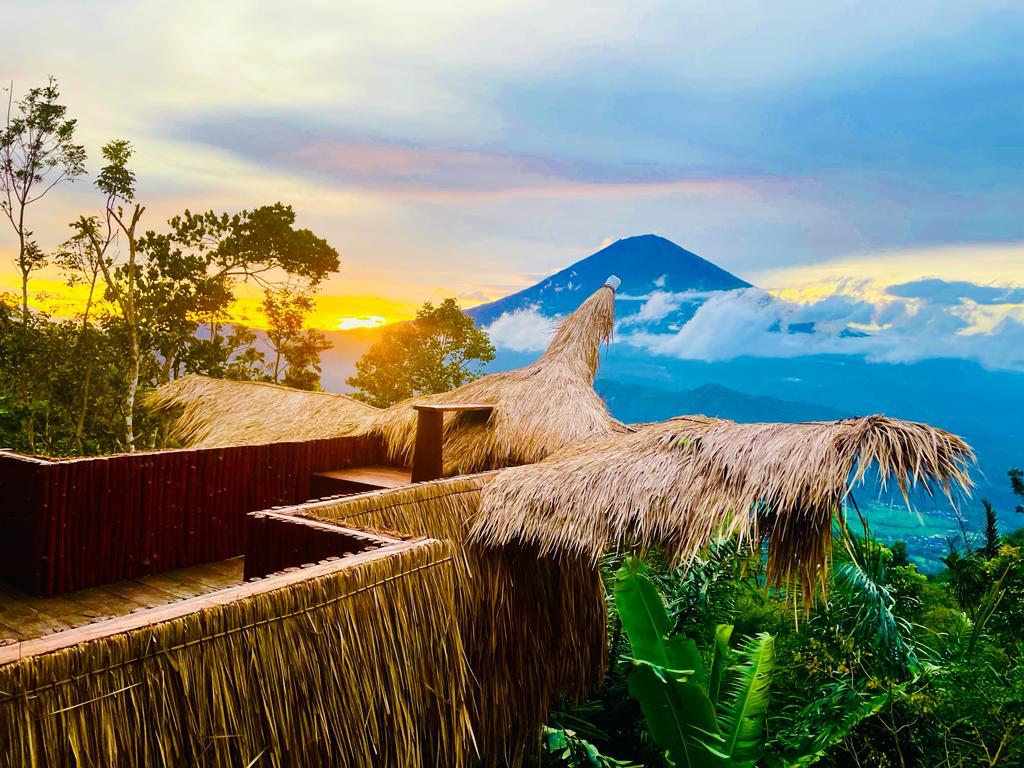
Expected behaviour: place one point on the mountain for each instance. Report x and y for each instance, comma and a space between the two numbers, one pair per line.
645, 263
633, 403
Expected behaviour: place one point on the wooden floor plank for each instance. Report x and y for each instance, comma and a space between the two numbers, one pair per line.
24, 616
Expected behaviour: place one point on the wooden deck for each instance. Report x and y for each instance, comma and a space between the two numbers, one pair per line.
378, 476
23, 616
357, 480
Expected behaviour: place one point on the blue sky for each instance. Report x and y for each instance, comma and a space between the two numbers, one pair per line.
471, 148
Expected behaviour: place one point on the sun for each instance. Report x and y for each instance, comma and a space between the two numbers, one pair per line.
363, 321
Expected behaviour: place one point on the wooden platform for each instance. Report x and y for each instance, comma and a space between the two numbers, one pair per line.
23, 616
358, 479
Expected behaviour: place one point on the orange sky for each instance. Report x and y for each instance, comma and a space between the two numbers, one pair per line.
334, 311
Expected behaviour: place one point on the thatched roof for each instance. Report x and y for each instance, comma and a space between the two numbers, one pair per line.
221, 412
538, 409
682, 482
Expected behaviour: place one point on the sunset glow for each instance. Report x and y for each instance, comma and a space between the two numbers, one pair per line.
366, 321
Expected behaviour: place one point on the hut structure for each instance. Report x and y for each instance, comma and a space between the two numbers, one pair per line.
436, 622
531, 411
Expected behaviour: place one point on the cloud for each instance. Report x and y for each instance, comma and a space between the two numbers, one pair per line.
525, 330
754, 323
950, 293
658, 305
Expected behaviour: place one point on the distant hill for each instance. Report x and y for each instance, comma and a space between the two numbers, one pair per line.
635, 403
645, 263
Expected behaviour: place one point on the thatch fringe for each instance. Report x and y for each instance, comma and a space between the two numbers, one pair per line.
350, 668
682, 482
533, 627
221, 412
537, 409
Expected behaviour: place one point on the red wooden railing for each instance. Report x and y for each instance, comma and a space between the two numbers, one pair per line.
75, 523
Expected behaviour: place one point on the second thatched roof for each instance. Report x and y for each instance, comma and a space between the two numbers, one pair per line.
222, 412
682, 482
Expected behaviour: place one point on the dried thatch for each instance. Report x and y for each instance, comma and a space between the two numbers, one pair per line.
533, 627
221, 412
682, 482
538, 409
250, 682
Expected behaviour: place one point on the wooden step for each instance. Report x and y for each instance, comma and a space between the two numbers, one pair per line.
357, 480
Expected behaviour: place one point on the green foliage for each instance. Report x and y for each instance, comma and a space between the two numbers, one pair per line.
823, 724
576, 752
437, 351
683, 707
991, 548
1017, 486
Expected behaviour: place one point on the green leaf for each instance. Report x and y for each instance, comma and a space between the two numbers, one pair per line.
678, 716
647, 624
741, 714
723, 633
678, 712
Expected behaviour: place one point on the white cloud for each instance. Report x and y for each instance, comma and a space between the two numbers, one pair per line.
525, 330
754, 323
658, 305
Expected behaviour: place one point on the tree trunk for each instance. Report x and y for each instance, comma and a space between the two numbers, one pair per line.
80, 424
133, 386
86, 382
23, 268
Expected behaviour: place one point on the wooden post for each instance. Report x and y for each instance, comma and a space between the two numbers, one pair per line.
428, 453
427, 457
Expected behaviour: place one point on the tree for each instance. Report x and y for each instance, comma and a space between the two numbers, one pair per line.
121, 217
296, 351
991, 530
435, 352
166, 286
37, 152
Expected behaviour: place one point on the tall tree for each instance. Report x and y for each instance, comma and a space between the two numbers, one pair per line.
1017, 486
121, 218
81, 265
437, 351
37, 152
295, 349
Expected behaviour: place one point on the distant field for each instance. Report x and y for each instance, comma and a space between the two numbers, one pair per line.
924, 532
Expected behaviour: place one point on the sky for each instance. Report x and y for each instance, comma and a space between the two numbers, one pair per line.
468, 149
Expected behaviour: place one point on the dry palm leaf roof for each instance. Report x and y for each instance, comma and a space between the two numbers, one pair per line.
221, 412
682, 482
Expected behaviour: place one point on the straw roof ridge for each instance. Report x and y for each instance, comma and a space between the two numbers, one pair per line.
682, 482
